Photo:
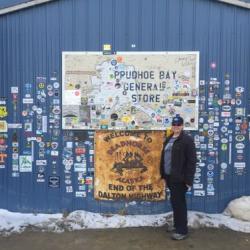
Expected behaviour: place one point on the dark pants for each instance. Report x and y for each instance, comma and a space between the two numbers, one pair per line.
179, 205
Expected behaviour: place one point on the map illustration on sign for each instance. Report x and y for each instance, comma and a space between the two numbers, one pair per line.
129, 90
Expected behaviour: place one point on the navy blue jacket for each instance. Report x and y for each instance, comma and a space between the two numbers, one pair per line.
183, 159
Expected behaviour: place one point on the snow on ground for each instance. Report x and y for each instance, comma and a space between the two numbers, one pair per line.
239, 208
17, 222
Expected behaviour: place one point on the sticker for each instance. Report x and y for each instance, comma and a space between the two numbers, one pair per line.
28, 126
41, 162
14, 90
3, 111
49, 87
25, 163
14, 125
56, 85
199, 193
226, 108
223, 129
39, 111
239, 164
210, 133
44, 124
3, 127
223, 147
15, 167
225, 114
239, 137
80, 194
224, 140
54, 153
223, 165
69, 189
80, 167
54, 181
2, 157
28, 100
198, 186
240, 111
239, 89
210, 174
239, 145
197, 180
40, 177
210, 166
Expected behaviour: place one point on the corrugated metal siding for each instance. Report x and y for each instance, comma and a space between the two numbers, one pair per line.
9, 3
31, 45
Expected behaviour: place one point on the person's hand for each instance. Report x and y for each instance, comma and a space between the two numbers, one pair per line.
188, 186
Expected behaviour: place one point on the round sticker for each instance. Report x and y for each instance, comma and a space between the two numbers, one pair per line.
39, 111
50, 93
223, 165
24, 113
224, 140
239, 137
49, 87
238, 102
77, 93
223, 129
205, 126
210, 132
34, 107
56, 85
210, 166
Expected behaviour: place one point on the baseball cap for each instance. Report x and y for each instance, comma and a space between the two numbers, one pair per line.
177, 120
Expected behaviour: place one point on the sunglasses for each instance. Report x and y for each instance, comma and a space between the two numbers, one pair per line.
177, 124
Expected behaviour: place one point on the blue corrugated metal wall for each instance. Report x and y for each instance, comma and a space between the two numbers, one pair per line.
31, 45
9, 3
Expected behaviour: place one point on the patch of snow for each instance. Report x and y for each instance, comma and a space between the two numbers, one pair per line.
239, 208
77, 220
18, 222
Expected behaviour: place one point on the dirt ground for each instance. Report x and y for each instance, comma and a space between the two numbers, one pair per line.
130, 238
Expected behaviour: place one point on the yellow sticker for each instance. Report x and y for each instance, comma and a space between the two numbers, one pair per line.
106, 46
3, 111
41, 85
3, 126
126, 119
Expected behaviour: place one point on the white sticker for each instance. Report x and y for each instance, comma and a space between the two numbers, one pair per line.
44, 124
14, 90
239, 164
25, 163
41, 162
72, 97
223, 165
15, 125
239, 145
199, 192
225, 114
80, 167
198, 186
224, 140
54, 153
28, 100
69, 144
81, 194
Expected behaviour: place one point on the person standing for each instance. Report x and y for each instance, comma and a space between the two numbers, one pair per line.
178, 162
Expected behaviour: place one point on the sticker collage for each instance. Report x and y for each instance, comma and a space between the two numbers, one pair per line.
32, 140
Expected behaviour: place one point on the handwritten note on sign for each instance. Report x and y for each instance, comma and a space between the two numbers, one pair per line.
127, 165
